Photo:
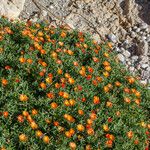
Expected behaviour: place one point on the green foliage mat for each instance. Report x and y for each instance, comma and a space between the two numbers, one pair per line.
60, 89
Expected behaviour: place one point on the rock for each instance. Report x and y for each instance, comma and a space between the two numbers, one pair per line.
127, 54
134, 58
112, 38
144, 66
144, 82
144, 59
143, 25
125, 44
121, 58
131, 69
12, 8
138, 67
143, 47
137, 30
143, 38
96, 37
130, 29
128, 63
117, 49
44, 13
133, 34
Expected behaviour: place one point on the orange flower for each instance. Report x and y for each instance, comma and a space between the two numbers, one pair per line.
70, 52
39, 133
22, 60
72, 131
106, 63
5, 114
137, 94
90, 131
109, 45
137, 101
127, 100
25, 113
20, 119
50, 95
66, 102
46, 139
44, 64
96, 100
105, 128
93, 116
42, 51
117, 83
68, 134
109, 104
106, 55
126, 90
130, 134
65, 95
71, 81
54, 105
48, 80
33, 125
72, 102
108, 68
22, 137
80, 127
106, 89
61, 43
29, 61
131, 80
90, 121
54, 55
99, 79
80, 112
63, 34
56, 123
40, 33
4, 82
72, 145
59, 71
34, 112
67, 75
43, 85
23, 97
109, 143
106, 74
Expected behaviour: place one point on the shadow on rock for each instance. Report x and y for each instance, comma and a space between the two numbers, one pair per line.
144, 12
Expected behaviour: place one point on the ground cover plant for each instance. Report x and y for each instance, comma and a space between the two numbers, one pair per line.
60, 89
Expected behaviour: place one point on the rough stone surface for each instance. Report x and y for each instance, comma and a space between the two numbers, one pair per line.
11, 8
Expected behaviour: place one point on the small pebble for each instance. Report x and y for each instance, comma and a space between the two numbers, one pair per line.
135, 27
112, 38
138, 30
144, 82
144, 66
127, 54
143, 26
131, 69
117, 49
133, 35
121, 58
135, 57
143, 38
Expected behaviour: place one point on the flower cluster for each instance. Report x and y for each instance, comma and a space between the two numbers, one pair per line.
60, 89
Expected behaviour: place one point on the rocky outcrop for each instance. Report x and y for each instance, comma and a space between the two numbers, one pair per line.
11, 8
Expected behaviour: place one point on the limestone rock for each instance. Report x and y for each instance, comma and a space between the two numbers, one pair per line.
11, 8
